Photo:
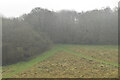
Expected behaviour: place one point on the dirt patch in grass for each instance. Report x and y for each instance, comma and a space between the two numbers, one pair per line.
66, 65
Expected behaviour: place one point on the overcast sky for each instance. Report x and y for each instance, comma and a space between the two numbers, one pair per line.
15, 8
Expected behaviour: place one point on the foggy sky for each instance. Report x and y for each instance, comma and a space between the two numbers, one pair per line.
15, 8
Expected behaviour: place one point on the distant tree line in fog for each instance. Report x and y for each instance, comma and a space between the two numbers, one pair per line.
33, 33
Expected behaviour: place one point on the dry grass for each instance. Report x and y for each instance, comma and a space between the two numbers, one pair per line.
65, 65
99, 52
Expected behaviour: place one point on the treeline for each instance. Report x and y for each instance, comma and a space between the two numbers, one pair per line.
21, 41
33, 33
92, 27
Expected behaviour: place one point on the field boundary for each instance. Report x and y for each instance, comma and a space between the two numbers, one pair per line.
25, 65
89, 58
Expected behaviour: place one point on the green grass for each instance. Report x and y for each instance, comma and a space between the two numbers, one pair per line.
16, 68
89, 58
66, 48
21, 66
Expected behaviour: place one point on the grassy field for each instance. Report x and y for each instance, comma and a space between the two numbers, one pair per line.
69, 61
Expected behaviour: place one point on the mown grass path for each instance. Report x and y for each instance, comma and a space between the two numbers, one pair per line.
66, 49
17, 68
89, 58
